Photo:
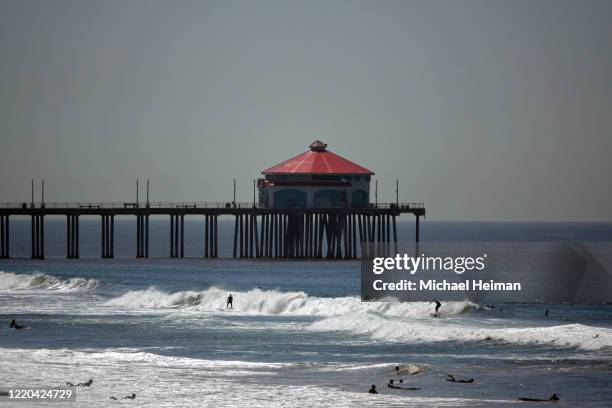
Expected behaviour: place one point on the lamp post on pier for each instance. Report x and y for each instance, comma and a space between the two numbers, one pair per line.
234, 202
397, 193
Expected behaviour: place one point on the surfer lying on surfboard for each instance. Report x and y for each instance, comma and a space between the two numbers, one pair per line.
84, 384
462, 380
133, 396
553, 398
392, 385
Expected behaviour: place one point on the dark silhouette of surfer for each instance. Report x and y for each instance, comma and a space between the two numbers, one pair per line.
133, 396
546, 313
462, 380
438, 305
392, 385
373, 390
230, 301
553, 398
85, 384
16, 326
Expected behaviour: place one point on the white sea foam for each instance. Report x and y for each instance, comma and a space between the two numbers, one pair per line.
272, 302
165, 381
39, 281
134, 357
420, 331
407, 322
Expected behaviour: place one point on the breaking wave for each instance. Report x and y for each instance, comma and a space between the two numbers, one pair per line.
420, 331
272, 302
406, 322
40, 281
128, 356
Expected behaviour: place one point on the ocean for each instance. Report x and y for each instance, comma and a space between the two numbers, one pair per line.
298, 334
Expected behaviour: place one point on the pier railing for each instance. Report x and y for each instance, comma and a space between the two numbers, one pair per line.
169, 204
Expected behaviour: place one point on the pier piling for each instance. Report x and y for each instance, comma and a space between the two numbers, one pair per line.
108, 236
38, 236
4, 236
177, 235
142, 236
72, 236
294, 233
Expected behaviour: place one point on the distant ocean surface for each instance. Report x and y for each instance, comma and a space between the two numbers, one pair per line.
298, 334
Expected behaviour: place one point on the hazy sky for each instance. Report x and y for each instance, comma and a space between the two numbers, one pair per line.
485, 110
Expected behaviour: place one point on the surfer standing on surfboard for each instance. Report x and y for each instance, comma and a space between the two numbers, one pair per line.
438, 304
16, 326
230, 299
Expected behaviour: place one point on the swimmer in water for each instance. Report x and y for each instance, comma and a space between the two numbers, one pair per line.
373, 390
438, 305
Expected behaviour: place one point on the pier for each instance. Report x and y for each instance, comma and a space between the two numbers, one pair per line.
269, 233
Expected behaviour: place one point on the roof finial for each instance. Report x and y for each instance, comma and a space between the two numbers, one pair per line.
318, 146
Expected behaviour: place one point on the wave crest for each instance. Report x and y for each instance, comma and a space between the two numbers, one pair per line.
40, 281
273, 302
568, 335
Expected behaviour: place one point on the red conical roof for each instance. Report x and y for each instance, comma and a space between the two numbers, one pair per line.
318, 160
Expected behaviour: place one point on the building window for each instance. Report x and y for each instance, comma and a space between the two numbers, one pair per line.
359, 199
290, 198
330, 198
